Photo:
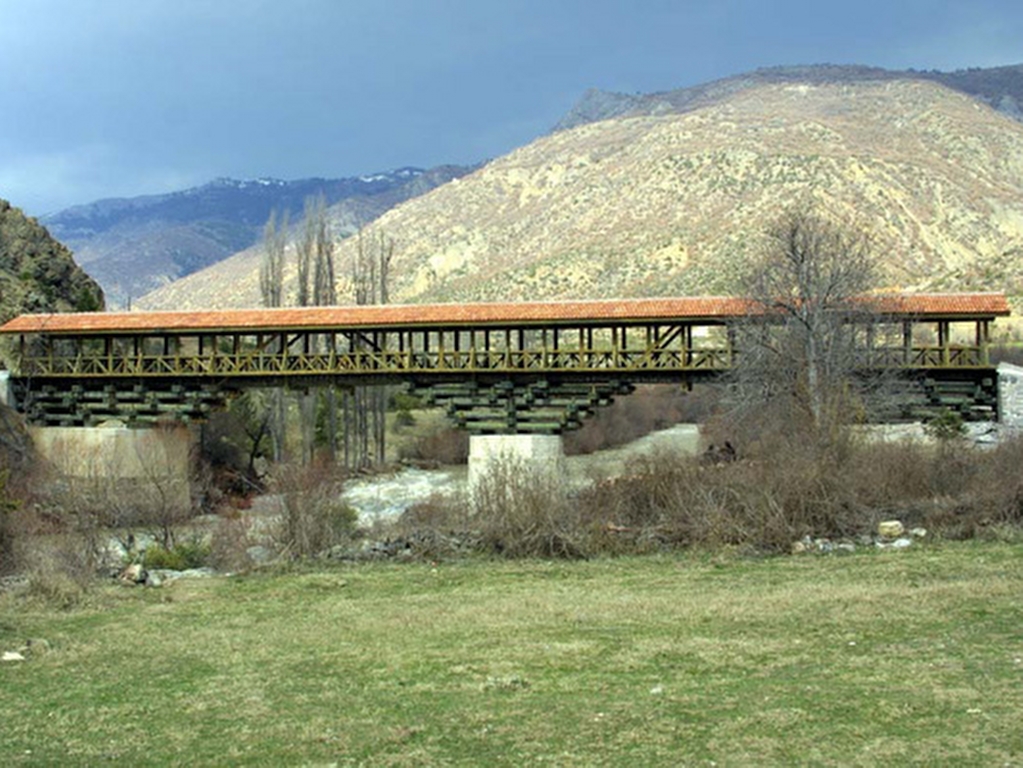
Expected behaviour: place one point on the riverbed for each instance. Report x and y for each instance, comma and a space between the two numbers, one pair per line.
384, 497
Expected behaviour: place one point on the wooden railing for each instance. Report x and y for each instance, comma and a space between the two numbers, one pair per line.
398, 364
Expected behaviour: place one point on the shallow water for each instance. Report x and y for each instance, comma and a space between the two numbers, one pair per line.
387, 496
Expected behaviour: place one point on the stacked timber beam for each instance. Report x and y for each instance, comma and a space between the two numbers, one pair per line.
507, 408
139, 404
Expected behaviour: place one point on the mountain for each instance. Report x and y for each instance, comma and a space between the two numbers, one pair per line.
133, 245
674, 202
37, 274
999, 87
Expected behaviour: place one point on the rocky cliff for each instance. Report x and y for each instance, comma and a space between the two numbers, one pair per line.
38, 274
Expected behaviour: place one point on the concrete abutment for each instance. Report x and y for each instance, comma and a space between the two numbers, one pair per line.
146, 471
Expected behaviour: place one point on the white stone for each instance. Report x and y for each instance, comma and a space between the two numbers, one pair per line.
890, 529
12, 656
133, 574
918, 533
902, 543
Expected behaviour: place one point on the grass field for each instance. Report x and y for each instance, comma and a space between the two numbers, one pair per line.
879, 658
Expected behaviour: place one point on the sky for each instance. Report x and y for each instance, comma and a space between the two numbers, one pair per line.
116, 98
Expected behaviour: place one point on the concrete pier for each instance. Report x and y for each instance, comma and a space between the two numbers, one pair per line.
541, 456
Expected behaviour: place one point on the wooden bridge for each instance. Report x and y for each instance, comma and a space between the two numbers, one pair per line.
517, 358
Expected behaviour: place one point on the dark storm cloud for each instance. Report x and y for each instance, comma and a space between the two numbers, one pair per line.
123, 97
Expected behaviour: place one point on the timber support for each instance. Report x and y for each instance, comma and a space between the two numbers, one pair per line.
508, 407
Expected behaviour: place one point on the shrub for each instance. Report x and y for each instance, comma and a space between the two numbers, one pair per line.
521, 512
779, 490
230, 543
180, 557
61, 570
313, 517
8, 536
946, 425
403, 405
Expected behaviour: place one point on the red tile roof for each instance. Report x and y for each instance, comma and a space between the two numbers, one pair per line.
707, 309
945, 304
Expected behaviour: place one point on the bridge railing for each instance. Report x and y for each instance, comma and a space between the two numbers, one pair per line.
401, 362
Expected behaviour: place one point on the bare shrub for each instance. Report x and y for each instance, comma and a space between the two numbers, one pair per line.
313, 517
141, 481
990, 497
61, 569
889, 477
519, 511
9, 528
763, 503
781, 488
435, 513
436, 529
232, 537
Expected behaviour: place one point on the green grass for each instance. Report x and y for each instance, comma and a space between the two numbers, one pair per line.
904, 658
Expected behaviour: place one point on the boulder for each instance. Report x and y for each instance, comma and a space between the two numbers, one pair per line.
890, 529
134, 574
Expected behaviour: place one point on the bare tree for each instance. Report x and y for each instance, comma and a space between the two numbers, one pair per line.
271, 288
366, 407
304, 261
316, 287
271, 272
322, 245
809, 304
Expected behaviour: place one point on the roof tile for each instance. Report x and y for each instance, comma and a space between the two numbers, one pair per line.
697, 308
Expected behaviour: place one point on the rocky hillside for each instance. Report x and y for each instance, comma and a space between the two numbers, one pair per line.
134, 245
37, 274
999, 87
673, 203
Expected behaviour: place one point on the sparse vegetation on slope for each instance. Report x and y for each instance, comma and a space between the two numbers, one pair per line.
38, 274
675, 203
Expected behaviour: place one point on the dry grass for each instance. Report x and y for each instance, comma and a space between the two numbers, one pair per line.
887, 659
